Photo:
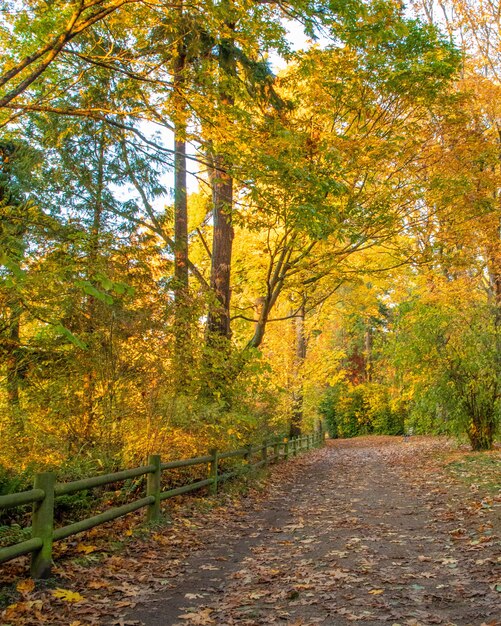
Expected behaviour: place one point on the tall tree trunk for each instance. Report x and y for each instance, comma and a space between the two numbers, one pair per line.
13, 366
182, 315
93, 248
10, 343
220, 369
493, 256
218, 322
368, 340
180, 218
298, 393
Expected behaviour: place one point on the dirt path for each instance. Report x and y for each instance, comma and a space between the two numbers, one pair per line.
362, 530
370, 530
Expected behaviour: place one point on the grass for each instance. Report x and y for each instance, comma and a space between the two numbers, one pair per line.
478, 469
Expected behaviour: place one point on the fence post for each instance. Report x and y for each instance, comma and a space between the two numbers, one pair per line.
308, 442
153, 488
286, 449
213, 470
42, 525
322, 435
248, 454
276, 450
265, 454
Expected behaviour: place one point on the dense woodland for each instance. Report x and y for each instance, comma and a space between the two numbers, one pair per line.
198, 248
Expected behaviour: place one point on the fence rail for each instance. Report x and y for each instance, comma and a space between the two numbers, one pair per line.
45, 492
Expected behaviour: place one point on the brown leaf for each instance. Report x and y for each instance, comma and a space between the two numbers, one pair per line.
200, 618
25, 586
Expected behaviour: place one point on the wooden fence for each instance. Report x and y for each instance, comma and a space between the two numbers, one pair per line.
46, 490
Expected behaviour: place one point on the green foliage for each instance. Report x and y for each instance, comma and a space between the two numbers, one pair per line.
450, 356
326, 161
350, 411
12, 482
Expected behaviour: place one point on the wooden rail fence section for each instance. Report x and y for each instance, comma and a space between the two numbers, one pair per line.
46, 490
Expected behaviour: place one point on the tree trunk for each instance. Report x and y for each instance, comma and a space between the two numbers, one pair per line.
182, 310
89, 376
368, 340
276, 281
218, 322
13, 366
180, 218
481, 431
298, 393
10, 340
220, 369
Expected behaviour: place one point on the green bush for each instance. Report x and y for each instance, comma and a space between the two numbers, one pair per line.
363, 409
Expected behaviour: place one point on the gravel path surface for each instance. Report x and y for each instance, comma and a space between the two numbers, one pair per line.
366, 530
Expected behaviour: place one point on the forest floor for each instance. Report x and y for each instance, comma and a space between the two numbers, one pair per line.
374, 530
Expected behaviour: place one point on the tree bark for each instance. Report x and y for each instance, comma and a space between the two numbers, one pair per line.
368, 340
182, 311
298, 393
180, 218
89, 377
481, 428
14, 366
218, 322
277, 274
10, 342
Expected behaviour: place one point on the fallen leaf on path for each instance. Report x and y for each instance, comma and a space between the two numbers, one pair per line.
199, 618
19, 608
98, 584
25, 586
338, 573
85, 549
67, 596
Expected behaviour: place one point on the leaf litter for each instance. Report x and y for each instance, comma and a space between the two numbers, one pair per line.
371, 530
